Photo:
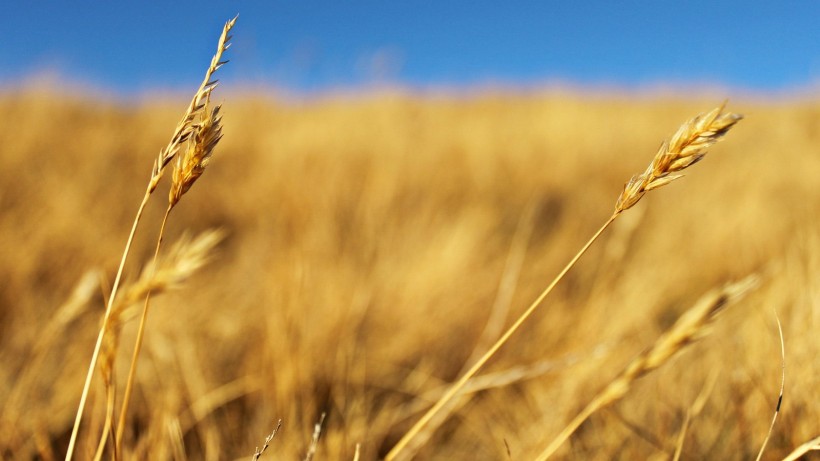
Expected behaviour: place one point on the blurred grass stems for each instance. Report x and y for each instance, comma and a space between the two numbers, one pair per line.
686, 147
203, 137
184, 129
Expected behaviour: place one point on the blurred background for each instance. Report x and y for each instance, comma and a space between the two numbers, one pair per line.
397, 182
315, 47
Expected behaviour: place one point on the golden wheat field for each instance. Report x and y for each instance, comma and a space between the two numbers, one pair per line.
375, 245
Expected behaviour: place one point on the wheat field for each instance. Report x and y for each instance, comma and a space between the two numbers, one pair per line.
375, 244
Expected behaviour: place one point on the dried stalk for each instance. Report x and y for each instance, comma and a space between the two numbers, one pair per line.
181, 134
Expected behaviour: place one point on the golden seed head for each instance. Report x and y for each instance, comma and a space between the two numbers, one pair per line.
686, 147
190, 166
187, 128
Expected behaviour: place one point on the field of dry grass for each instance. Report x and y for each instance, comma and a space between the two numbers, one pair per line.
374, 244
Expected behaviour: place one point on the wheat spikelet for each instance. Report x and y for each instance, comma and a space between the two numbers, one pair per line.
186, 257
687, 147
189, 167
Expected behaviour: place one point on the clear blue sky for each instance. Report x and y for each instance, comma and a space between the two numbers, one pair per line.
306, 46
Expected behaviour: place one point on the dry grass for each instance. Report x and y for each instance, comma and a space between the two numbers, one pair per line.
366, 242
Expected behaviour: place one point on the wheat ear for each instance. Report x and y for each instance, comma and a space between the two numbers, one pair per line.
202, 137
686, 147
185, 258
690, 327
181, 134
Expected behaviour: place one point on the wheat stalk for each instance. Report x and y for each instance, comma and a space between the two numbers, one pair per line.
202, 138
188, 168
686, 147
181, 134
782, 388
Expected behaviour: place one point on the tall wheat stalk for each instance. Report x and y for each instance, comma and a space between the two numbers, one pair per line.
686, 147
183, 132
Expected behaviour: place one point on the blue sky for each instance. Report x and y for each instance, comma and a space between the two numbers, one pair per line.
310, 46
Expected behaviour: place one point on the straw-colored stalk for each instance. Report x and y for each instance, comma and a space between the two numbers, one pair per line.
686, 147
181, 134
690, 327
782, 389
811, 445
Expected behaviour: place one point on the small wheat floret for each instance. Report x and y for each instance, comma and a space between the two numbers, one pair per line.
189, 167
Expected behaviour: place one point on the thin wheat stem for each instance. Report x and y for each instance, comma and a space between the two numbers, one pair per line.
782, 388
454, 390
107, 426
95, 356
132, 371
